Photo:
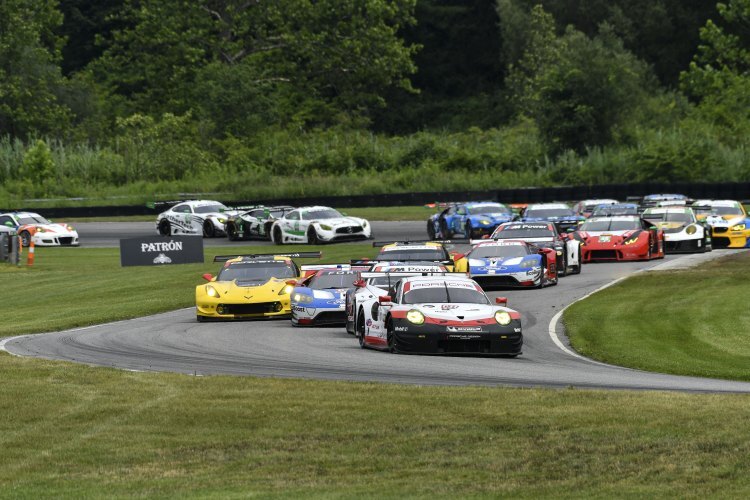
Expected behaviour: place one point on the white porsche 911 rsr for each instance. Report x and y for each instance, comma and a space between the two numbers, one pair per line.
196, 217
314, 225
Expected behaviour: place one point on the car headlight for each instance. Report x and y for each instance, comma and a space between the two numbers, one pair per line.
691, 229
221, 220
40, 230
415, 317
528, 263
325, 227
503, 318
738, 227
364, 223
302, 298
212, 292
70, 228
286, 290
485, 222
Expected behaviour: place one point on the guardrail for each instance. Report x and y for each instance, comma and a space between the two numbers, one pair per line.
733, 191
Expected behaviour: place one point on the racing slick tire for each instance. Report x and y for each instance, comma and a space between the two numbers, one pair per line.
276, 236
577, 269
391, 337
431, 230
312, 237
562, 270
165, 228
445, 233
25, 238
209, 231
232, 232
360, 329
469, 231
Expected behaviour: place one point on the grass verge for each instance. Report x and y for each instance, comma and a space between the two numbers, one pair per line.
72, 287
693, 322
74, 431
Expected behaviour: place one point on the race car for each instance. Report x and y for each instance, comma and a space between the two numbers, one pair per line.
544, 235
249, 287
586, 207
624, 237
31, 226
447, 314
382, 276
320, 299
616, 209
254, 222
194, 217
405, 251
682, 230
559, 213
509, 263
470, 220
729, 223
664, 200
315, 225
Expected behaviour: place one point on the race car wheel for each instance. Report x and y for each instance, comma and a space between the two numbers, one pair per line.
312, 236
577, 269
165, 228
391, 337
209, 231
276, 236
25, 238
232, 232
444, 231
431, 230
360, 328
562, 269
469, 231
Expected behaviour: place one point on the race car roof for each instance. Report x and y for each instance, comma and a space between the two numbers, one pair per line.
667, 209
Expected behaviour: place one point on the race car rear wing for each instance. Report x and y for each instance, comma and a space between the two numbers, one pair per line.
293, 255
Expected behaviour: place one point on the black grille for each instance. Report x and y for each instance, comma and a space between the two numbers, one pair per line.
720, 230
603, 254
257, 308
495, 280
330, 318
719, 242
67, 240
349, 230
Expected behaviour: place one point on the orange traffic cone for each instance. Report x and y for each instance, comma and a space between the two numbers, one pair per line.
30, 257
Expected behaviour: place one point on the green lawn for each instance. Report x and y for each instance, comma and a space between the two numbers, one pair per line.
694, 322
71, 287
75, 431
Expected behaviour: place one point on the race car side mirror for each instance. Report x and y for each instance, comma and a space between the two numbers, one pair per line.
385, 300
360, 283
501, 301
291, 282
208, 277
457, 256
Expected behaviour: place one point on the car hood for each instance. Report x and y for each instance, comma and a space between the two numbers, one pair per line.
339, 221
455, 311
58, 228
724, 220
492, 261
270, 286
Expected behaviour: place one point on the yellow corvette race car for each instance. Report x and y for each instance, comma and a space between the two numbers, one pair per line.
249, 286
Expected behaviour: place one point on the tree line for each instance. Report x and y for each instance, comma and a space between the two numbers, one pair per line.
164, 89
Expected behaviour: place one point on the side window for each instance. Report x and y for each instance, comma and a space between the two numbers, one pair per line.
293, 215
450, 211
256, 213
304, 216
461, 211
5, 219
182, 209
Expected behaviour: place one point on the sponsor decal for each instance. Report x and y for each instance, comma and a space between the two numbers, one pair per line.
162, 259
298, 309
369, 322
441, 284
464, 328
161, 250
401, 328
448, 307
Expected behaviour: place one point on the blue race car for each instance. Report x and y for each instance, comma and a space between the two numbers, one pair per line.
470, 220
510, 263
320, 298
560, 214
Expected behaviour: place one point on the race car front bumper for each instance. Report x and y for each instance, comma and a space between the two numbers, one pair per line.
256, 310
440, 339
598, 252
723, 237
307, 316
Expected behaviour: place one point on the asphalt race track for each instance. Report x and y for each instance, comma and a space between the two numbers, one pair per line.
175, 342
109, 234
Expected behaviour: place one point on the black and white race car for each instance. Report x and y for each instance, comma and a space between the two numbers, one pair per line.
194, 217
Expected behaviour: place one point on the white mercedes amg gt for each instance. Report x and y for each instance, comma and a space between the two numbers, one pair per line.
314, 225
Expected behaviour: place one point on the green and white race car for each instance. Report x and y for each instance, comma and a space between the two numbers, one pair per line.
314, 225
254, 222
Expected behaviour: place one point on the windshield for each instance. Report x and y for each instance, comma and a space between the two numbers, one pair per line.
610, 225
245, 271
484, 251
36, 219
430, 254
337, 279
489, 209
682, 217
519, 234
442, 294
726, 211
328, 213
208, 209
606, 211
548, 212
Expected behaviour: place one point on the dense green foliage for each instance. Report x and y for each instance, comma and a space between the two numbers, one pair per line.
157, 97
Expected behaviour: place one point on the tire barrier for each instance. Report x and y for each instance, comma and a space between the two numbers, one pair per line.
10, 245
727, 190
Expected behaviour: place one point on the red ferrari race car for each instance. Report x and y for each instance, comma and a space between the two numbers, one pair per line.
619, 238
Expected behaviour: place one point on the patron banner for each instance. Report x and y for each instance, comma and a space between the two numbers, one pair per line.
161, 250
